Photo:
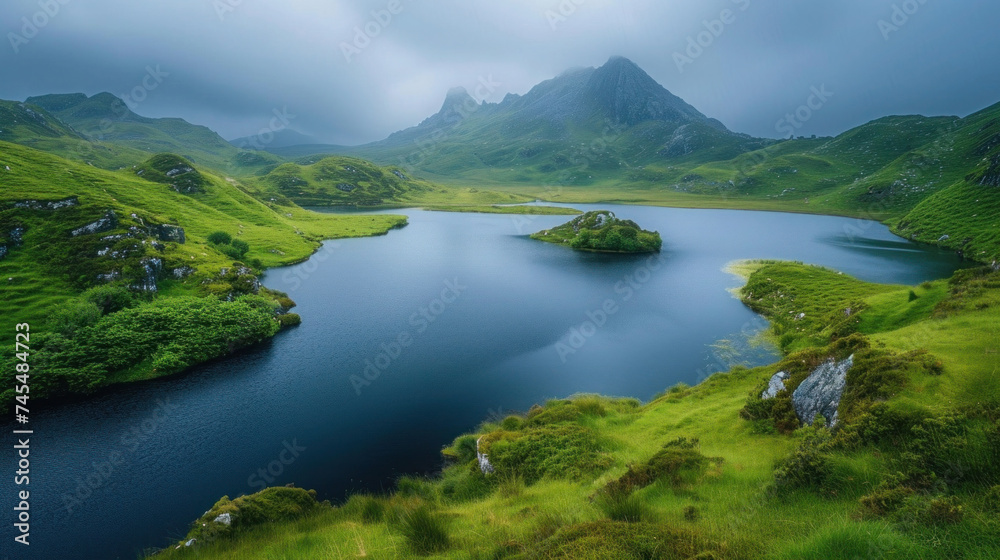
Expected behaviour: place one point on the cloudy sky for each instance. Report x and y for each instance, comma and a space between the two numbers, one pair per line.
352, 71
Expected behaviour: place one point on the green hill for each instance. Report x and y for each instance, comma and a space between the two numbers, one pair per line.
80, 244
32, 126
339, 180
106, 118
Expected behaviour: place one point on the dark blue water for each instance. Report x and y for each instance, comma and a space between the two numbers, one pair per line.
490, 322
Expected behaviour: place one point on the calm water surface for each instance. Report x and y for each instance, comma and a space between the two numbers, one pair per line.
492, 321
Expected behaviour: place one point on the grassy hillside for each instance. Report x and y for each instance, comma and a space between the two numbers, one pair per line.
79, 244
710, 471
350, 181
35, 127
106, 119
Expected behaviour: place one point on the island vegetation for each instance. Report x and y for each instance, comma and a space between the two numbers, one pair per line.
602, 231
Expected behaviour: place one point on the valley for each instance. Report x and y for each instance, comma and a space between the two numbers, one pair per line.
353, 309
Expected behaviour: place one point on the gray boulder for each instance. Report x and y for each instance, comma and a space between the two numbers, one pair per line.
820, 393
151, 272
107, 223
775, 386
484, 461
170, 233
50, 205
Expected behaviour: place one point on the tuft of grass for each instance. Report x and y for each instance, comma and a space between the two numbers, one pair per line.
426, 533
622, 506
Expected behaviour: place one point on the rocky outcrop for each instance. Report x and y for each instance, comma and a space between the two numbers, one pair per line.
484, 461
170, 233
775, 386
183, 272
152, 268
3, 252
224, 518
820, 393
49, 205
17, 236
107, 223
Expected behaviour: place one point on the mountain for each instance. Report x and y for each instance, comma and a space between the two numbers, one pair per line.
106, 118
278, 139
578, 128
33, 126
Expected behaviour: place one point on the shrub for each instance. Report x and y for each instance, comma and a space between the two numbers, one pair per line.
109, 299
561, 451
885, 500
806, 467
511, 423
425, 532
267, 506
677, 462
220, 238
289, 320
71, 318
463, 449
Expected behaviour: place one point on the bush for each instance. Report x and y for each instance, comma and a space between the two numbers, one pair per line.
172, 332
289, 320
425, 532
220, 238
463, 449
885, 500
561, 451
806, 467
271, 505
75, 316
678, 462
110, 299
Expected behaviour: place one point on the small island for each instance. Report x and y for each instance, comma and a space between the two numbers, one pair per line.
602, 231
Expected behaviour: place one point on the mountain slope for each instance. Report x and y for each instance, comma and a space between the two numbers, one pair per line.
33, 126
581, 127
106, 118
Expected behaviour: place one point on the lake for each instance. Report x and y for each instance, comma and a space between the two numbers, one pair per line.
407, 341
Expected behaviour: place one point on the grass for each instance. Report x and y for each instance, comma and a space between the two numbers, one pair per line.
345, 181
648, 491
50, 268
